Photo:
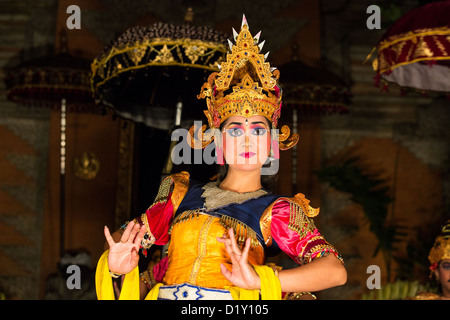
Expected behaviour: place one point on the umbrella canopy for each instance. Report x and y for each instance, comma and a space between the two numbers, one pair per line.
44, 82
415, 50
145, 72
313, 90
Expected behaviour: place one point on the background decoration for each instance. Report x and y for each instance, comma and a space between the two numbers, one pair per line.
313, 90
58, 81
415, 51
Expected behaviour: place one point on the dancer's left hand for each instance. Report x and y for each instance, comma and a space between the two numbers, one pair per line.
242, 273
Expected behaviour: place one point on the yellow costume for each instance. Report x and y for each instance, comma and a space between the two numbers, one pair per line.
194, 255
189, 217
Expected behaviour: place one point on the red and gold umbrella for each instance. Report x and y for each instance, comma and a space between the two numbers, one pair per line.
415, 51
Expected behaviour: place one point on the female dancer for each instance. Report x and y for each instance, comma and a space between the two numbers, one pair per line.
220, 234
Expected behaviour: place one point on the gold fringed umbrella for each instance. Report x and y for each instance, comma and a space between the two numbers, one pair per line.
148, 70
414, 53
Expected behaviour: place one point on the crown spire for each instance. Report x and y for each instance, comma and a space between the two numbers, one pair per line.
256, 37
244, 21
235, 35
261, 45
230, 44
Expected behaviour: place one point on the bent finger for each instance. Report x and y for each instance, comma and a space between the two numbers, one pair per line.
225, 272
126, 233
234, 244
133, 233
232, 256
140, 235
224, 240
246, 250
134, 257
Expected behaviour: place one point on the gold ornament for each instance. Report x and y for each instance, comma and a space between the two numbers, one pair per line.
245, 86
87, 166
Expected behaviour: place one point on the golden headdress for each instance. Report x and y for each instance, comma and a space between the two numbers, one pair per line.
441, 247
245, 86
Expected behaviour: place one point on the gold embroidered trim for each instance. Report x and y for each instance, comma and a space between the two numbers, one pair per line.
216, 197
264, 224
201, 54
161, 197
241, 230
181, 186
300, 200
300, 296
414, 35
298, 221
180, 183
202, 242
395, 44
183, 217
303, 253
323, 250
163, 192
299, 210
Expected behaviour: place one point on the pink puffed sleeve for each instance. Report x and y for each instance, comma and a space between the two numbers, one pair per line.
295, 233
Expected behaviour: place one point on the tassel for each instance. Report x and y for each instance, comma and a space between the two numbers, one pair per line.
299, 221
185, 216
241, 230
295, 218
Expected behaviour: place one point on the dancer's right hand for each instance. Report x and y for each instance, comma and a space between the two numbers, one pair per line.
123, 256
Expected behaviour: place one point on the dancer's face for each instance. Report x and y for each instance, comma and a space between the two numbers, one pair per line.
246, 142
443, 275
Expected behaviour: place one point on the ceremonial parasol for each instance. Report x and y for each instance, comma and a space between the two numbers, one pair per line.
149, 70
60, 82
151, 75
415, 51
44, 82
313, 90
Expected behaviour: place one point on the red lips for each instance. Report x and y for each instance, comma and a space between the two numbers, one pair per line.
247, 154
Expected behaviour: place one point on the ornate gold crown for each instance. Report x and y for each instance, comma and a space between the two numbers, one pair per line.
245, 86
441, 247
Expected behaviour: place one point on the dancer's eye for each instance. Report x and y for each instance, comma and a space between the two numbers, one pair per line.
445, 266
235, 132
259, 131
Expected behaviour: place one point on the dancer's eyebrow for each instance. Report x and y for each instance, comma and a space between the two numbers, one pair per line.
259, 122
241, 123
237, 123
